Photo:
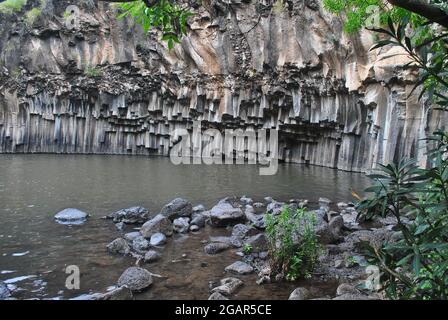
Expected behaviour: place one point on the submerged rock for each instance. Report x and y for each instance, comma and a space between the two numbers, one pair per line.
224, 214
120, 293
158, 239
228, 286
151, 256
119, 246
232, 241
177, 208
131, 215
217, 296
71, 216
299, 294
239, 267
214, 248
136, 279
158, 224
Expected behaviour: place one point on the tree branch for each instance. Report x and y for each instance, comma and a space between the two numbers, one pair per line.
421, 7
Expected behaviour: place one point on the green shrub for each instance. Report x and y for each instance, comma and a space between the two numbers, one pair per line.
293, 244
32, 15
415, 266
247, 248
93, 72
12, 6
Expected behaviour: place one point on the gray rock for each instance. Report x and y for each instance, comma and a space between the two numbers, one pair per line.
346, 288
4, 291
131, 215
120, 293
240, 231
151, 256
331, 215
140, 244
324, 203
119, 226
239, 267
158, 224
199, 208
258, 243
198, 219
246, 200
232, 241
224, 214
177, 208
258, 205
228, 286
299, 294
303, 204
132, 235
336, 225
263, 255
339, 263
194, 228
157, 239
275, 207
71, 216
257, 220
217, 296
215, 248
342, 205
181, 225
268, 199
136, 279
119, 246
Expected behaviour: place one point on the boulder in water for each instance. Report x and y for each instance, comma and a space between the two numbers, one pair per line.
131, 215
214, 248
224, 214
158, 224
177, 208
181, 225
239, 267
136, 279
158, 239
71, 216
119, 246
299, 294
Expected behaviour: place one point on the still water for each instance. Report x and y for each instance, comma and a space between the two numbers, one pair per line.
35, 250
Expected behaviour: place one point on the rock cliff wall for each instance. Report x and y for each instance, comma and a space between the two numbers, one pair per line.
105, 87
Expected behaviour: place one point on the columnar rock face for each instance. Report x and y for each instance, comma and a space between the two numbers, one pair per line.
102, 86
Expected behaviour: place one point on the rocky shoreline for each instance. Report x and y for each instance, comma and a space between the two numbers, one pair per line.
340, 234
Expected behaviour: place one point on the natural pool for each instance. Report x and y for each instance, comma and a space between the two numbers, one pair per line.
35, 187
